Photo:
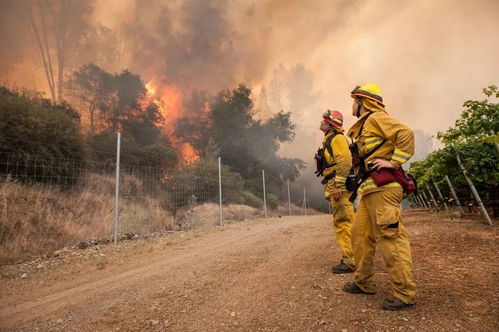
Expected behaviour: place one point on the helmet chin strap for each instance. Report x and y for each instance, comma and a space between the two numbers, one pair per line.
359, 106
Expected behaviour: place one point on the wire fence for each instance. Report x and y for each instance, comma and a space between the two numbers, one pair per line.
56, 202
169, 197
438, 197
79, 196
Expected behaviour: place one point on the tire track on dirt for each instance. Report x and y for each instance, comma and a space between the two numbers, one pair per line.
266, 276
203, 252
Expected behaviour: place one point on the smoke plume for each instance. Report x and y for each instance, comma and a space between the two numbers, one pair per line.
427, 56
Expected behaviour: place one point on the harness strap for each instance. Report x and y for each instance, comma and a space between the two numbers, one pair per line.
360, 133
374, 150
329, 147
362, 124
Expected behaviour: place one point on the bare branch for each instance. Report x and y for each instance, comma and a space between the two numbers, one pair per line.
42, 52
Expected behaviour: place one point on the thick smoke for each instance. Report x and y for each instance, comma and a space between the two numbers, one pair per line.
13, 25
195, 51
427, 56
299, 56
48, 30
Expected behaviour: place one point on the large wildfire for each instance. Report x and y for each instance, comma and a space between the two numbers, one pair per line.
169, 100
207, 45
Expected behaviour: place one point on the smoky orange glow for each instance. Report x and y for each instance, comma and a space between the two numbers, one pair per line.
188, 154
169, 100
427, 56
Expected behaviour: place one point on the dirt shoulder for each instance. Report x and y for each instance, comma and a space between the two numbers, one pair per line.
264, 275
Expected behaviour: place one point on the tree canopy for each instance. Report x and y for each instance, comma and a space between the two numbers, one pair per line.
245, 144
118, 103
223, 125
472, 138
36, 134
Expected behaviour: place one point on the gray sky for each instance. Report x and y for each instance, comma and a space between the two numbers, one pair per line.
427, 56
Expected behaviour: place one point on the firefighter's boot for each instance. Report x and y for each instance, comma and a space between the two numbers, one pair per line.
342, 268
395, 304
352, 288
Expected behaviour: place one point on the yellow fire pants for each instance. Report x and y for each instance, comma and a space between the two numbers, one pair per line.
342, 220
378, 220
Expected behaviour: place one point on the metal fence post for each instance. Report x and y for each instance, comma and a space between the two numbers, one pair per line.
432, 197
264, 195
220, 189
420, 202
412, 202
431, 203
305, 200
440, 194
423, 203
289, 200
427, 201
473, 190
117, 193
415, 201
453, 192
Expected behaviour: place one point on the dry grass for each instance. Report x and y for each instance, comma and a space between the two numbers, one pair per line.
35, 221
283, 210
208, 215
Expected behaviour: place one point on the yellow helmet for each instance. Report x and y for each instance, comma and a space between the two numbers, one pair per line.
370, 91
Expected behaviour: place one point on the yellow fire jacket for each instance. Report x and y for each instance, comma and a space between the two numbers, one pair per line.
398, 148
341, 162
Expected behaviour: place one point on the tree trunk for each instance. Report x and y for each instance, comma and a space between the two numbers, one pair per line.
91, 110
44, 52
47, 51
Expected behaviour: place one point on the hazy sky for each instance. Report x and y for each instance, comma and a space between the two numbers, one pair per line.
427, 56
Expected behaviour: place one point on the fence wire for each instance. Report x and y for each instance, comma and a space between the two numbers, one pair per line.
79, 195
429, 198
76, 197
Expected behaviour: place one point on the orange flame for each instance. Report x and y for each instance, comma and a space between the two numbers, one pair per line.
187, 154
170, 100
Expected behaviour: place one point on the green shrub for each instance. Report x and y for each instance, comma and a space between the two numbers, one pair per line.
39, 141
251, 199
201, 181
272, 201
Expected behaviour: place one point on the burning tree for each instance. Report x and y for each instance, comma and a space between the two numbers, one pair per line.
120, 102
245, 144
91, 88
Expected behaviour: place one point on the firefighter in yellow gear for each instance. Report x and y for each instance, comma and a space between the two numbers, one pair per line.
383, 143
338, 161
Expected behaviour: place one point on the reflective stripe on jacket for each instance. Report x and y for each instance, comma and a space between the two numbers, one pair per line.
341, 162
398, 148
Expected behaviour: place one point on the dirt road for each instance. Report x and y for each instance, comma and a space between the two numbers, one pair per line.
269, 275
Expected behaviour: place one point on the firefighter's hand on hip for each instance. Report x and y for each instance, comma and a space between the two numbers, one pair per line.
382, 163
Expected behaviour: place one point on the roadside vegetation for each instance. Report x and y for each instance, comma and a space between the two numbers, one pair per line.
57, 160
474, 139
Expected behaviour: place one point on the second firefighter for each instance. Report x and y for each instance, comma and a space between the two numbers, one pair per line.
334, 161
